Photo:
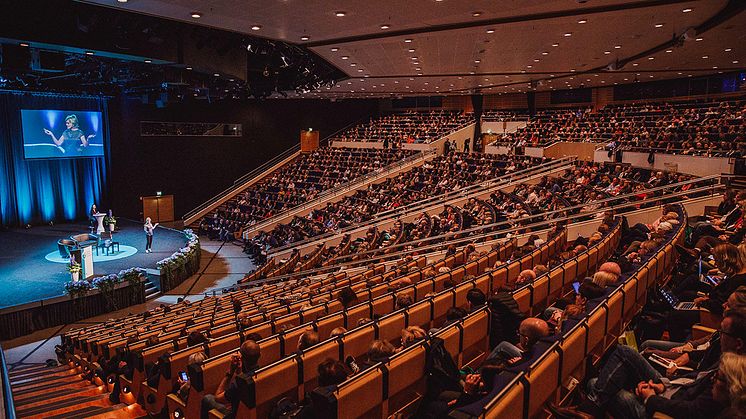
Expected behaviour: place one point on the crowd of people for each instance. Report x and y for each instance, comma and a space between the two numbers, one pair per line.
408, 128
692, 128
295, 184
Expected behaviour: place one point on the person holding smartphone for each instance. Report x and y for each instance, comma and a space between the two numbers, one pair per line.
245, 362
182, 385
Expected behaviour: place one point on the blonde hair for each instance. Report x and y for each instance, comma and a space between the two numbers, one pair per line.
411, 334
733, 368
603, 278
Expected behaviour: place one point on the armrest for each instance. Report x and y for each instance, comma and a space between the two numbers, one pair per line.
173, 402
659, 415
699, 331
215, 414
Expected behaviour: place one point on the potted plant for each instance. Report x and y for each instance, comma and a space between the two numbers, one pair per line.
110, 221
74, 268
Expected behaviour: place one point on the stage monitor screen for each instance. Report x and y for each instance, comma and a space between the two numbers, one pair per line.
60, 134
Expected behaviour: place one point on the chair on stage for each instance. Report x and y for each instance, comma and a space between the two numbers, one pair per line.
65, 246
86, 239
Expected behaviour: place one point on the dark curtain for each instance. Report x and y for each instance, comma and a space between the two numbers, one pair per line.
39, 191
477, 103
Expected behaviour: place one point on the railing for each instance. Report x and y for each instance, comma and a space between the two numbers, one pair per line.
427, 141
256, 172
6, 393
501, 181
345, 187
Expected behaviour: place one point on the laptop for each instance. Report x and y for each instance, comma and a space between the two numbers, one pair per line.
674, 301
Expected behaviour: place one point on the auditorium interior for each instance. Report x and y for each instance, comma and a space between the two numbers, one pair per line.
349, 209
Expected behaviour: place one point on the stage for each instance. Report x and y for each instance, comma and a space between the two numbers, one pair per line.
31, 268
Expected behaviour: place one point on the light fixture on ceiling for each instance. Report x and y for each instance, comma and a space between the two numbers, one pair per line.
256, 27
122, 1
582, 21
607, 52
651, 58
699, 39
148, 61
617, 46
568, 34
23, 44
555, 45
305, 38
658, 25
545, 53
353, 65
335, 49
216, 74
477, 61
704, 57
490, 31
407, 40
89, 53
340, 13
344, 57
195, 15
385, 26
476, 14
687, 10
668, 51
189, 68
728, 49
635, 64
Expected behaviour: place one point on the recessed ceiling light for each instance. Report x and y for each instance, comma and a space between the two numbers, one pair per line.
477, 61
23, 44
626, 79
411, 50
384, 26
413, 58
687, 10
476, 14
658, 25
607, 52
679, 73
651, 76
344, 57
89, 53
581, 21
735, 61
572, 70
651, 58
148, 61
122, 1
545, 53
407, 40
189, 68
529, 66
635, 64
704, 57
568, 33
353, 65
256, 27
359, 70
555, 45
305, 38
617, 46
196, 15
216, 74
698, 39
335, 49
728, 49
536, 60
418, 69
490, 31
340, 14
669, 51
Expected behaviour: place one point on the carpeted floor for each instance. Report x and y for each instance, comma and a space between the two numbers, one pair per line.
26, 276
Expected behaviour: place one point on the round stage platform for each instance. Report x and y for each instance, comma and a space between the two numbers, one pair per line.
31, 268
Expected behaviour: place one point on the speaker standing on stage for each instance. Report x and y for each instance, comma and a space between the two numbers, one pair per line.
149, 227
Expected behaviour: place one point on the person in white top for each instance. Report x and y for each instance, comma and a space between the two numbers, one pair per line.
149, 227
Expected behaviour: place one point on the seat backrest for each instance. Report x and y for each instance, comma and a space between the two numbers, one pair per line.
573, 351
361, 394
542, 381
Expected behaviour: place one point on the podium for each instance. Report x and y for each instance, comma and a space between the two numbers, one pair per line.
100, 221
84, 255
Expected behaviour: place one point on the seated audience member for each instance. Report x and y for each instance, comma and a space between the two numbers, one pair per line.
307, 339
181, 389
530, 332
476, 299
525, 277
337, 331
505, 316
628, 386
247, 362
729, 386
586, 299
731, 262
453, 315
378, 351
612, 268
411, 335
347, 297
403, 301
331, 373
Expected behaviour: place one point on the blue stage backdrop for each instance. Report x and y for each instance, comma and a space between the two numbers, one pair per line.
39, 191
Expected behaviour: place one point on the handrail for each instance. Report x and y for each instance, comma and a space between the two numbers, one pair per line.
680, 151
9, 408
428, 141
606, 200
352, 184
498, 182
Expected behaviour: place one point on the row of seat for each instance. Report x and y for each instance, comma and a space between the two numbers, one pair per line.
567, 359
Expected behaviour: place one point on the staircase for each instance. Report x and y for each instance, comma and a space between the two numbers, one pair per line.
151, 290
40, 391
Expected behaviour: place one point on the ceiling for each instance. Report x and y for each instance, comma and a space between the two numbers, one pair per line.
457, 47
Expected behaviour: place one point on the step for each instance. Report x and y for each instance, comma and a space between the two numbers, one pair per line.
32, 368
153, 296
49, 387
66, 406
43, 381
56, 396
41, 376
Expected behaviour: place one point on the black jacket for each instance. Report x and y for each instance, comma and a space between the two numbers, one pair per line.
692, 401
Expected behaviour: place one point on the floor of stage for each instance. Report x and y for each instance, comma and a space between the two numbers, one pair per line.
26, 276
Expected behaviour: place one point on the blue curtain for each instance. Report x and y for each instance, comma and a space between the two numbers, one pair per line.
39, 191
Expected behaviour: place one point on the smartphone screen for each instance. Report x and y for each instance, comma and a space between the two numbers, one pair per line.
183, 376
576, 287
